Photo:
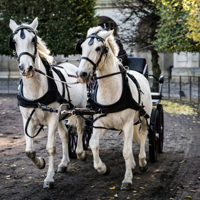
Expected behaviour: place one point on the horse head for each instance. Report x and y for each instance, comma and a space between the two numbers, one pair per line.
94, 50
24, 42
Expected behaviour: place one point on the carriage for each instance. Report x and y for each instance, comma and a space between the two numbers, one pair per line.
124, 98
156, 128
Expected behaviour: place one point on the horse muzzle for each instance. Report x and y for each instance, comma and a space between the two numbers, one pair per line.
28, 72
83, 77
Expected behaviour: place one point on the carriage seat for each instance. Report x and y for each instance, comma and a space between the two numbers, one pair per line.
138, 64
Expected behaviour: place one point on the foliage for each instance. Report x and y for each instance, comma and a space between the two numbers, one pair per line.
175, 30
193, 19
141, 21
61, 22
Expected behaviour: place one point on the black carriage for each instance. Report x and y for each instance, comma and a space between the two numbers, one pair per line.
156, 127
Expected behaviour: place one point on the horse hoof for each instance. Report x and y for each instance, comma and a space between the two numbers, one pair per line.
61, 169
126, 186
107, 172
143, 169
48, 185
83, 156
42, 163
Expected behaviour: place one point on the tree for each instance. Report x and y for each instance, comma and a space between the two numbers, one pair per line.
193, 19
178, 27
61, 22
141, 19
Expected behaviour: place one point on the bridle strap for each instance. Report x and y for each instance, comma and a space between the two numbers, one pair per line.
26, 53
22, 27
86, 58
95, 65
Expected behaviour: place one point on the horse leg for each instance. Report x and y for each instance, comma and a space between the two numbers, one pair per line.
81, 154
30, 152
51, 150
128, 157
62, 167
94, 145
142, 154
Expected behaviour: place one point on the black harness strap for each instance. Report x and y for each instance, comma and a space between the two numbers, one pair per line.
27, 123
126, 100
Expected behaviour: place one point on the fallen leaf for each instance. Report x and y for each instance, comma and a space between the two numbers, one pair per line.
113, 188
189, 197
193, 191
137, 178
116, 195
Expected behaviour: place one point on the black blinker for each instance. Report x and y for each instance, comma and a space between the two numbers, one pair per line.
91, 41
78, 45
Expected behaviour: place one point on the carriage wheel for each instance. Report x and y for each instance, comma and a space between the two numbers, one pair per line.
72, 142
160, 128
87, 133
86, 138
153, 136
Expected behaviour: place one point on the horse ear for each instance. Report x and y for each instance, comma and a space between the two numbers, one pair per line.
106, 34
34, 24
13, 26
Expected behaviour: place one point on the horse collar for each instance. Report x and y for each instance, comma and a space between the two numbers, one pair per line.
49, 97
126, 100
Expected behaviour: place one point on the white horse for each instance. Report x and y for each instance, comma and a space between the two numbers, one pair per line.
37, 88
99, 55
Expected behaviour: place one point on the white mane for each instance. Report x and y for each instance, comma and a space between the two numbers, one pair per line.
110, 40
43, 50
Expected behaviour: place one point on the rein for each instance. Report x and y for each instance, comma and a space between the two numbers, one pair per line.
73, 76
108, 75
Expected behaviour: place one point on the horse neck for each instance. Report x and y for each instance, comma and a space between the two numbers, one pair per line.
109, 88
37, 86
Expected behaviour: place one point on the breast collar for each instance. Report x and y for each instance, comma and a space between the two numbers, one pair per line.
52, 95
126, 100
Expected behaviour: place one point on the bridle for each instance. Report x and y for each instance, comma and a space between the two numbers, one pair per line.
104, 50
22, 36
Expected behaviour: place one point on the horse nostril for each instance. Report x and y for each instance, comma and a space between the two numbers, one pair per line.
83, 74
21, 67
30, 68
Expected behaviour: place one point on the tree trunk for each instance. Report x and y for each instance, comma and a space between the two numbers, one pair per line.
156, 70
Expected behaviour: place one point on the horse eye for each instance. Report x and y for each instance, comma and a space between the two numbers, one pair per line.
98, 49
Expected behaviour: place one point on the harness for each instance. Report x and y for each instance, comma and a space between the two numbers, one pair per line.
50, 96
126, 100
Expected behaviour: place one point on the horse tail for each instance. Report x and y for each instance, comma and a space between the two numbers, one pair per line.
136, 134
